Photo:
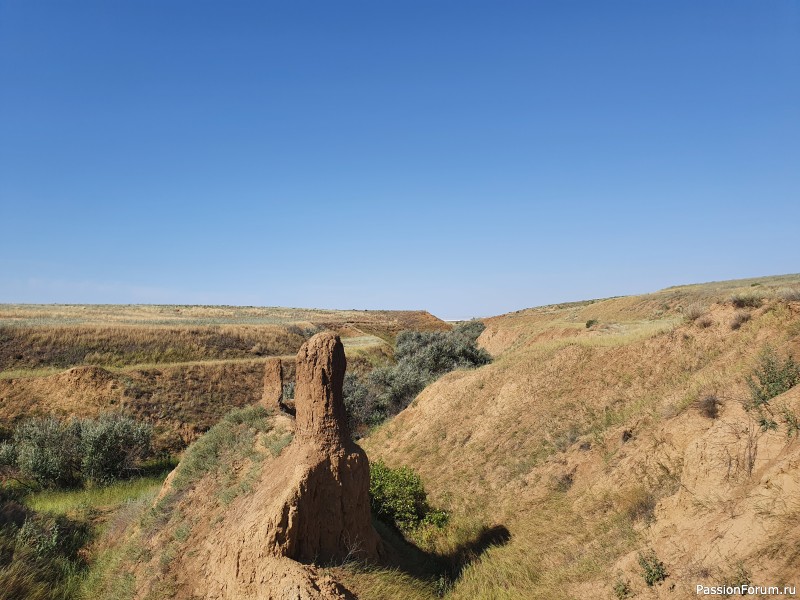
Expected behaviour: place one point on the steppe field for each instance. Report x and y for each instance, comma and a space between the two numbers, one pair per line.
630, 447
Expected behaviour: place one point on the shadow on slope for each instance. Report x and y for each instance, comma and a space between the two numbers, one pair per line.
441, 568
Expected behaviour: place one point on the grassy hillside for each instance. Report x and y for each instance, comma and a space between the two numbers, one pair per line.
591, 445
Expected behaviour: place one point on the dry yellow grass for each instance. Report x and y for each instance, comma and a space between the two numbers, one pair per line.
575, 439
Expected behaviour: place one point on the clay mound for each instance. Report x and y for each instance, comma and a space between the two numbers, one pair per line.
285, 579
308, 504
273, 383
87, 375
315, 505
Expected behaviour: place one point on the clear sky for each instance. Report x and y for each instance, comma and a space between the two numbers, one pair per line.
469, 158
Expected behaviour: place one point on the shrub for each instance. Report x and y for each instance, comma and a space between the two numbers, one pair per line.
709, 406
746, 301
766, 423
111, 447
63, 454
8, 455
788, 294
694, 311
705, 322
622, 589
772, 376
791, 420
653, 570
591, 323
48, 451
357, 401
422, 357
233, 436
740, 318
398, 497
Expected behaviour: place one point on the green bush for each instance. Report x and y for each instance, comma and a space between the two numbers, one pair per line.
8, 455
398, 497
422, 357
591, 323
53, 453
112, 446
653, 570
772, 376
358, 402
622, 589
48, 451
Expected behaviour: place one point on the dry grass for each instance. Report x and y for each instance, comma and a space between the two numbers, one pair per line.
181, 401
553, 407
788, 294
40, 336
694, 311
489, 443
116, 346
740, 318
31, 315
749, 300
708, 406
179, 367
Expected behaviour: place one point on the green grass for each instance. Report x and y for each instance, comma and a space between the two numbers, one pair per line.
65, 526
28, 373
233, 438
62, 502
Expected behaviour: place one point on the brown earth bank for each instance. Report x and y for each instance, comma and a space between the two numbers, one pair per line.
181, 401
162, 364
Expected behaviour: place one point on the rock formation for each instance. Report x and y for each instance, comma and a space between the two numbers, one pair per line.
312, 502
273, 383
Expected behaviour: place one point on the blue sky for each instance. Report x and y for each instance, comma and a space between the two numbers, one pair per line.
469, 158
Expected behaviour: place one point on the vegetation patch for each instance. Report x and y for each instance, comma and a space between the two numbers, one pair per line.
694, 311
653, 570
422, 357
40, 556
708, 406
233, 438
55, 453
771, 377
746, 301
740, 318
398, 497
